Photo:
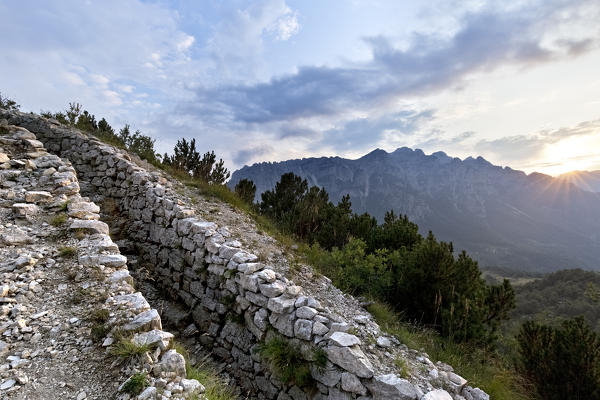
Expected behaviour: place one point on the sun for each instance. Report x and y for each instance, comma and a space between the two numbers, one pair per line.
572, 154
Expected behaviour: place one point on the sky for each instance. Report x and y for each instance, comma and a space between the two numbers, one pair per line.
517, 82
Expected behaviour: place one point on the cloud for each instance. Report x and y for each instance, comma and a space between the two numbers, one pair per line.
439, 143
85, 51
486, 40
237, 43
242, 157
286, 26
361, 133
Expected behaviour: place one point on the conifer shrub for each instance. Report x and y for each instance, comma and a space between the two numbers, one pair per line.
562, 362
246, 190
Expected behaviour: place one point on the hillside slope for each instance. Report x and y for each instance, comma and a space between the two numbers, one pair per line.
501, 216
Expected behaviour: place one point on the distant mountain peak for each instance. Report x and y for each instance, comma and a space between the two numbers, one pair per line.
501, 216
377, 153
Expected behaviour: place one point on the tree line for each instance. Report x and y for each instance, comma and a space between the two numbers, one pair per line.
185, 158
391, 262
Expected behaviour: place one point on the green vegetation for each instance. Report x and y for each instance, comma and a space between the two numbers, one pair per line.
99, 332
204, 168
563, 362
99, 315
216, 388
136, 384
246, 190
67, 252
557, 297
390, 262
482, 366
8, 104
127, 350
59, 220
287, 362
136, 142
402, 366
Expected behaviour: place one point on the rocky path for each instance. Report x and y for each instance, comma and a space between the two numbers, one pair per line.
65, 295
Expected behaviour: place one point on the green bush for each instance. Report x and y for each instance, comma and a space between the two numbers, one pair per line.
8, 104
483, 368
246, 190
427, 284
563, 362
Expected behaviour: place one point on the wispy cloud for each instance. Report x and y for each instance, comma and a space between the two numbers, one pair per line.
530, 146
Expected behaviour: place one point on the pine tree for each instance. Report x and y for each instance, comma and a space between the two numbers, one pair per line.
246, 190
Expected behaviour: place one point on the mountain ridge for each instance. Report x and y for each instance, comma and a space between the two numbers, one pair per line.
502, 216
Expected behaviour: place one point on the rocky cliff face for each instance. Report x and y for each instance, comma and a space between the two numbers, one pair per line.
235, 301
502, 217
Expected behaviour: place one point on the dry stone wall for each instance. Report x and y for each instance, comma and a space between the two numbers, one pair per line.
62, 281
236, 301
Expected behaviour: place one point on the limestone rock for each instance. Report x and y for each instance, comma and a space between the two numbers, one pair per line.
38, 197
328, 376
272, 289
148, 319
306, 312
83, 210
438, 394
384, 342
352, 359
191, 386
24, 210
281, 304
153, 338
344, 339
303, 329
171, 364
90, 226
351, 383
386, 387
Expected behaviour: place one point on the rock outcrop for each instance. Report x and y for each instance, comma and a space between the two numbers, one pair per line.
236, 300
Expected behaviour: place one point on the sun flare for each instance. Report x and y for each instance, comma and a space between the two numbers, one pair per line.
572, 154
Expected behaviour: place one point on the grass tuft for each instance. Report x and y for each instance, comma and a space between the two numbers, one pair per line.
100, 315
59, 220
99, 332
67, 252
402, 366
128, 350
286, 362
136, 384
215, 387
